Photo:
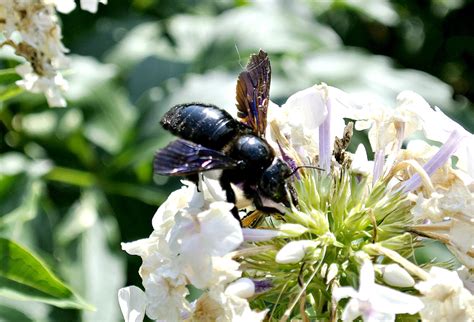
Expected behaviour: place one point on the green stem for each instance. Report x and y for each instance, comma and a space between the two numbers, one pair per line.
303, 289
71, 176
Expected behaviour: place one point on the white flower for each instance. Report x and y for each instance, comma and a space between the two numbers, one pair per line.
32, 29
63, 6
66, 6
132, 301
222, 306
375, 302
467, 277
389, 127
438, 127
461, 240
192, 236
445, 298
52, 87
166, 295
427, 208
304, 112
294, 251
185, 198
91, 5
164, 283
196, 238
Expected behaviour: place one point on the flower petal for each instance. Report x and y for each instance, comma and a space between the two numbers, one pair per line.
367, 280
132, 301
387, 300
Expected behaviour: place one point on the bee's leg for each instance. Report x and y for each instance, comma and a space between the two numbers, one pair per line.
259, 204
230, 196
194, 178
252, 194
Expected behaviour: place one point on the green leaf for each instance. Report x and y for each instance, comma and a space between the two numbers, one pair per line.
19, 197
9, 92
23, 276
12, 314
8, 76
104, 270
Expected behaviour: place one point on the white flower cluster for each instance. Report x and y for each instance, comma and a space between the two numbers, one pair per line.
31, 28
191, 244
443, 197
196, 239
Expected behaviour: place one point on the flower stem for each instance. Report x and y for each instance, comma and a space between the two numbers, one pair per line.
287, 313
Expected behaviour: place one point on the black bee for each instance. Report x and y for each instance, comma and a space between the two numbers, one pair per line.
210, 139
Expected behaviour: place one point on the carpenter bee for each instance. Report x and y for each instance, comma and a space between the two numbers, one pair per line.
210, 139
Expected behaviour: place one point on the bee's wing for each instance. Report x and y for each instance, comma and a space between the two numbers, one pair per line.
183, 157
252, 92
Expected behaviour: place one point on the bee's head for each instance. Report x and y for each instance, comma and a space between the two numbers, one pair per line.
272, 183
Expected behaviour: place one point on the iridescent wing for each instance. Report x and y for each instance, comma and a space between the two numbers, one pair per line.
252, 93
182, 157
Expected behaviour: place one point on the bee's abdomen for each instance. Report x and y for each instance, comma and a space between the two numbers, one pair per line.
204, 124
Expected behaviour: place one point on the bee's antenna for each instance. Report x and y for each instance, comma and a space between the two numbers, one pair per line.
304, 167
238, 54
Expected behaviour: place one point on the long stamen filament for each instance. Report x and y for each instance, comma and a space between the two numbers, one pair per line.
438, 160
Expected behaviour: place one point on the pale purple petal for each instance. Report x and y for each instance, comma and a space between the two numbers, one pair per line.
378, 165
262, 285
258, 235
325, 151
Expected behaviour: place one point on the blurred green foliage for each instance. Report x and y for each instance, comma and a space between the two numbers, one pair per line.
75, 182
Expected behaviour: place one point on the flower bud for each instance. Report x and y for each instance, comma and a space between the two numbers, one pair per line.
395, 275
292, 230
332, 272
243, 288
294, 251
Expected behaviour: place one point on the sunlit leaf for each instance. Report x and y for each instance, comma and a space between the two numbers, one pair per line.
24, 276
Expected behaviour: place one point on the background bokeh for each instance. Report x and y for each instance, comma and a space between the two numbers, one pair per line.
75, 182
